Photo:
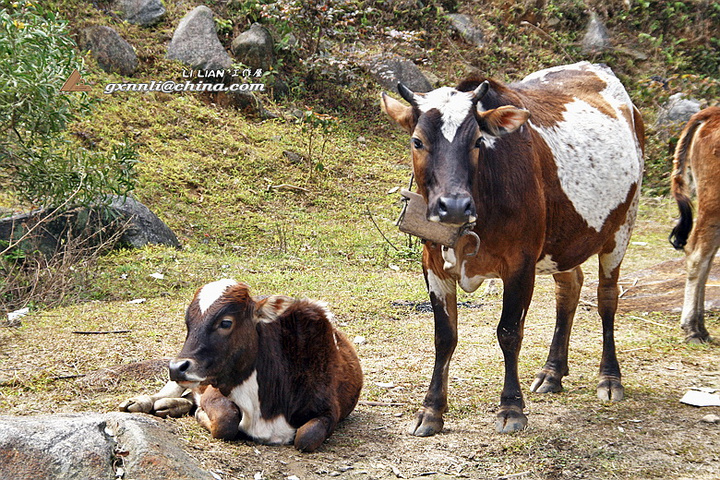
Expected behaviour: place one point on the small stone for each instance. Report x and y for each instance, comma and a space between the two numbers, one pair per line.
710, 418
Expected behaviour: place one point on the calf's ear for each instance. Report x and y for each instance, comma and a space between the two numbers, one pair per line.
403, 116
502, 120
268, 309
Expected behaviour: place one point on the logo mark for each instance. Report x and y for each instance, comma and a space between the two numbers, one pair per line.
74, 83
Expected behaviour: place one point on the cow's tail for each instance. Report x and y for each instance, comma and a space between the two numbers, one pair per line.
680, 191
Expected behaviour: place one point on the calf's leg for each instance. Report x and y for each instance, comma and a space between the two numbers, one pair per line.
610, 387
311, 435
567, 295
169, 401
218, 414
698, 264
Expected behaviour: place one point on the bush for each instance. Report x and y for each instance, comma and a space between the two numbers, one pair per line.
45, 169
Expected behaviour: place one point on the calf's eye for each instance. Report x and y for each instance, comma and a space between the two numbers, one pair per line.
225, 323
478, 142
417, 143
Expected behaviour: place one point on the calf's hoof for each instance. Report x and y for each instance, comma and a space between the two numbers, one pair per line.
311, 435
427, 423
547, 381
510, 419
140, 404
610, 390
172, 407
698, 338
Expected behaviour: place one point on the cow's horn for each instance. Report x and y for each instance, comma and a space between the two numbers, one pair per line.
406, 93
480, 91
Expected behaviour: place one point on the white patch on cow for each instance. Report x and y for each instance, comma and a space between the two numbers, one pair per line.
211, 292
452, 104
540, 75
470, 284
598, 158
448, 255
546, 266
271, 431
439, 287
490, 141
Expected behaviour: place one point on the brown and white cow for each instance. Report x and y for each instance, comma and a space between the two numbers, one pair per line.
548, 171
698, 149
271, 369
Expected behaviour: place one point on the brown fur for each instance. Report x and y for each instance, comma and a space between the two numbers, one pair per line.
698, 149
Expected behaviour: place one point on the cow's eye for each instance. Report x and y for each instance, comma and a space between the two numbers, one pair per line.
417, 143
479, 142
225, 323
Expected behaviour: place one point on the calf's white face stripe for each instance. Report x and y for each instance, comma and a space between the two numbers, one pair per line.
452, 104
211, 292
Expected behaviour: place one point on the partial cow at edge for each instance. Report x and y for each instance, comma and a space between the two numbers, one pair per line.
271, 369
545, 172
697, 152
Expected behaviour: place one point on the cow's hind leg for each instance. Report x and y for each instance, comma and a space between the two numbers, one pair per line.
313, 433
218, 414
567, 295
698, 264
610, 387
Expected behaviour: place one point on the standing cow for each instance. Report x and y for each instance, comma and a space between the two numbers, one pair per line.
546, 172
273, 369
699, 149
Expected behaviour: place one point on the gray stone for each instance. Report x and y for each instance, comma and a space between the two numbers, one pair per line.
93, 446
141, 226
141, 12
678, 109
710, 418
388, 70
466, 27
597, 37
254, 47
112, 52
196, 44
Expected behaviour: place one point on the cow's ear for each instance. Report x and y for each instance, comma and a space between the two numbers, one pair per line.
502, 120
268, 309
403, 115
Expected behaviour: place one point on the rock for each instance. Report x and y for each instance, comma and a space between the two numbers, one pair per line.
678, 109
710, 418
142, 226
95, 446
254, 48
597, 37
466, 27
196, 44
110, 50
388, 70
140, 12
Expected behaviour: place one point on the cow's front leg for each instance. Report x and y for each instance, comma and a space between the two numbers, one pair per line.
218, 414
169, 401
516, 299
443, 297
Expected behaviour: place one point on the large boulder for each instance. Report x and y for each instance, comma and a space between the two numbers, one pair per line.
388, 70
677, 110
467, 28
138, 226
597, 36
112, 52
140, 12
93, 446
254, 47
195, 42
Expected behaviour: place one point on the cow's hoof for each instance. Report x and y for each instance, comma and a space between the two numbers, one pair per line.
510, 420
610, 390
697, 338
172, 407
547, 382
140, 404
426, 424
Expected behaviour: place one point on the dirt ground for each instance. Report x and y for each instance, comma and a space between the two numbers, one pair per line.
650, 435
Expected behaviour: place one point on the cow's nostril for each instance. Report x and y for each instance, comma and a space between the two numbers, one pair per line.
179, 368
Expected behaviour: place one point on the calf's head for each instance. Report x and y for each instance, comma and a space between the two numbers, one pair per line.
448, 128
222, 338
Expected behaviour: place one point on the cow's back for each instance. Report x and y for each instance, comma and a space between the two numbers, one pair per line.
589, 139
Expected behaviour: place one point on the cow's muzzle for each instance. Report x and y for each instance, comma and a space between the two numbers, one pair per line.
457, 209
184, 371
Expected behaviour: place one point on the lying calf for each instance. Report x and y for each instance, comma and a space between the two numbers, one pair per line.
272, 369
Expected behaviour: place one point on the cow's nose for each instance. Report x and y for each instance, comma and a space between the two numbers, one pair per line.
456, 209
179, 369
